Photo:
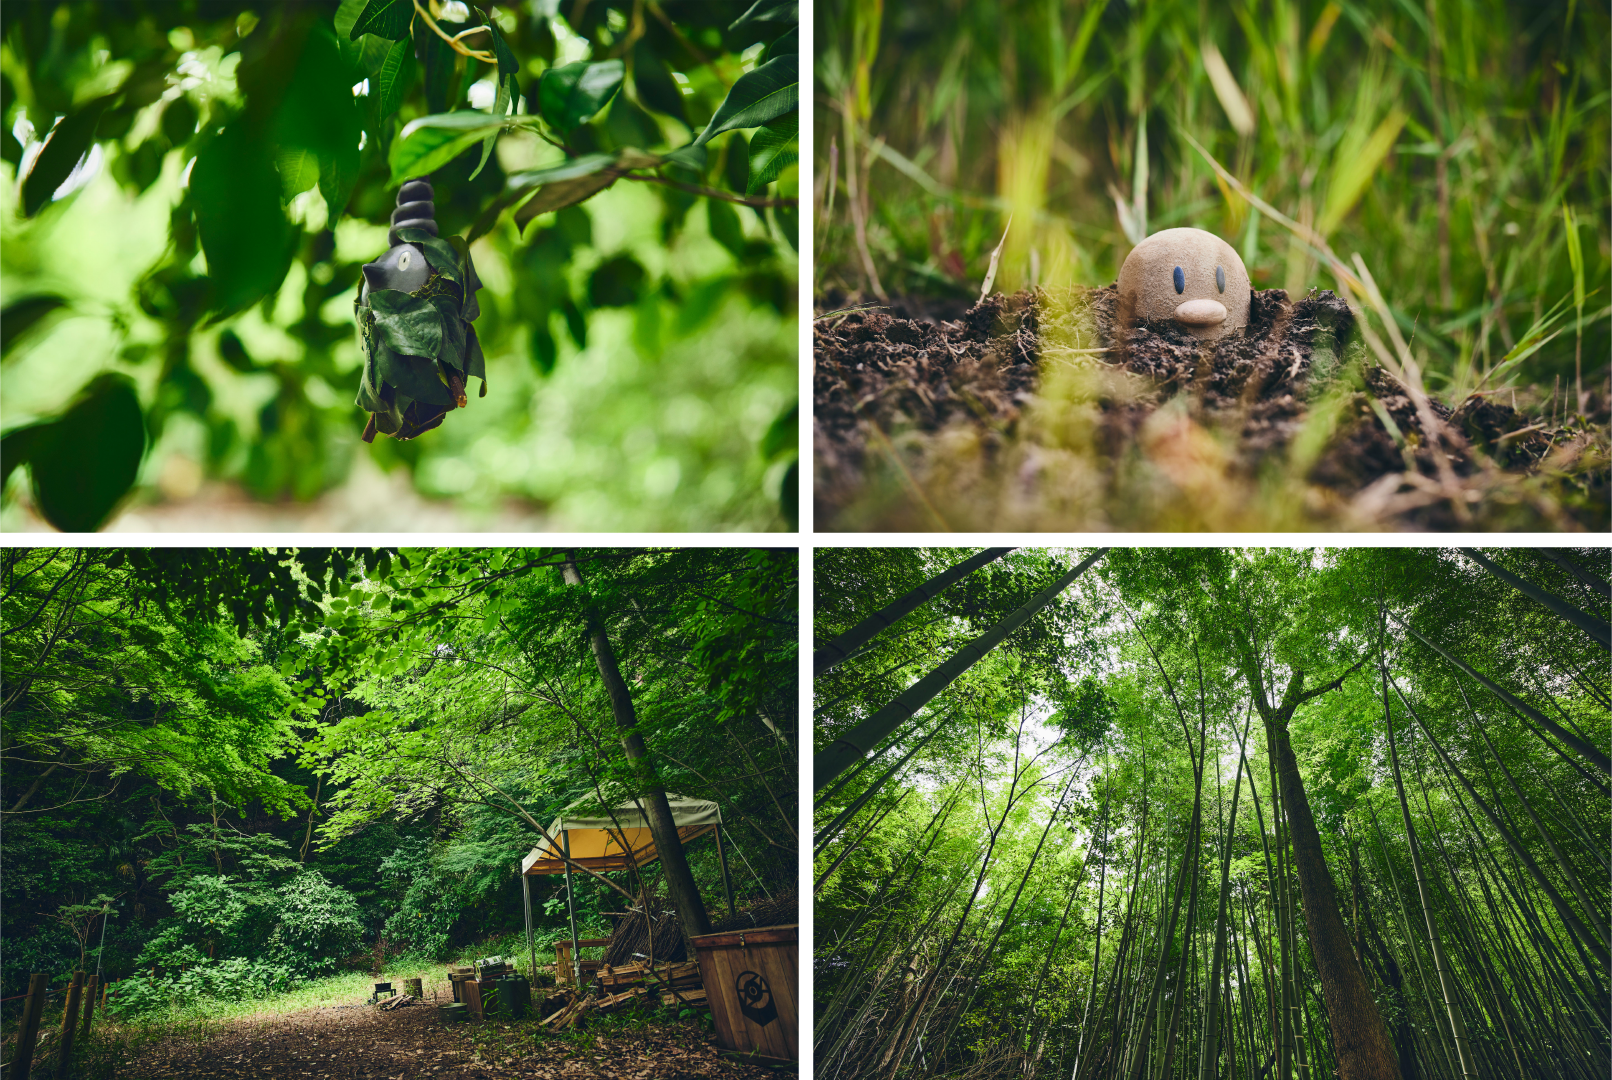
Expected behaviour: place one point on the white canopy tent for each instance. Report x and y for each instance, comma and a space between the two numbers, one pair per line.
610, 840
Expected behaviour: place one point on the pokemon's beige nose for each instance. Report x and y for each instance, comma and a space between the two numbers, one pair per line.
1201, 313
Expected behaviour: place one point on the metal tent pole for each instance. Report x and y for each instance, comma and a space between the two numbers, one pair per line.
571, 912
721, 857
531, 943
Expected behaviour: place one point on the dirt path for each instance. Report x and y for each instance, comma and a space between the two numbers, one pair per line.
360, 1042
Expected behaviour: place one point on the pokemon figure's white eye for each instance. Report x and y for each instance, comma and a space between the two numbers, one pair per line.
404, 260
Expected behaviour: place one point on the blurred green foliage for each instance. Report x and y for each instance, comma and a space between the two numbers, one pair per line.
1461, 147
193, 225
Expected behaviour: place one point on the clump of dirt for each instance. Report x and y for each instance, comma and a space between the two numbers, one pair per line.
902, 394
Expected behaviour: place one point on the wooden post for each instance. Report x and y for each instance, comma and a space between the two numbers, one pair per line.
75, 991
531, 941
571, 912
722, 857
28, 1034
90, 995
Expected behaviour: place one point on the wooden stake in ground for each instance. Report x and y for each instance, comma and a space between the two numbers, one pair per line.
90, 994
28, 1033
75, 990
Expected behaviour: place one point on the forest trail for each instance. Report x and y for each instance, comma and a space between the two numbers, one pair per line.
358, 1042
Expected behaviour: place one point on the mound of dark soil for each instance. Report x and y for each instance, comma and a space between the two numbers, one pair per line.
897, 389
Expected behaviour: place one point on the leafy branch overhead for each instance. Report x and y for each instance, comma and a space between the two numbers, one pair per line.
571, 96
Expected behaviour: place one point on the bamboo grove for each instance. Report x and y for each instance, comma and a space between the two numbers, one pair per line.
1200, 813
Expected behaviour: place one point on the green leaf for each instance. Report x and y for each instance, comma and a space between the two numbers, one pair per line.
586, 165
407, 324
16, 445
508, 66
475, 361
693, 156
501, 105
783, 436
298, 169
421, 150
558, 196
653, 80
563, 185
573, 94
415, 376
768, 11
338, 173
384, 18
64, 146
88, 460
453, 332
761, 96
398, 72
774, 148
21, 316
725, 227
789, 44
235, 193
438, 253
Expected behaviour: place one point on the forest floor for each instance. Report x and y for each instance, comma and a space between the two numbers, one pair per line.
355, 1041
1035, 411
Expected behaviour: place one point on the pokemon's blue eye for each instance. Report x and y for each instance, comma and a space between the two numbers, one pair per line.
1180, 281
1220, 278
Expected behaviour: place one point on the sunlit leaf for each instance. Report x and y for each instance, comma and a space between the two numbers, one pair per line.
384, 18
63, 149
764, 94
431, 142
773, 149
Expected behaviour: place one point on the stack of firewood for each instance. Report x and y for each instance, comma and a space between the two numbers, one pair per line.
673, 984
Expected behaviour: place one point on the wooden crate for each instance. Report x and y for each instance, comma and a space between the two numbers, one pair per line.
751, 984
562, 960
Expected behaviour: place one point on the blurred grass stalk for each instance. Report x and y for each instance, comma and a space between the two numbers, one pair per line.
1438, 142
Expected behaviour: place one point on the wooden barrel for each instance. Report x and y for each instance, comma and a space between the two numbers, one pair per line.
751, 984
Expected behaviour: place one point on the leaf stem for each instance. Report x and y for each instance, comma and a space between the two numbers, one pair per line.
711, 193
453, 42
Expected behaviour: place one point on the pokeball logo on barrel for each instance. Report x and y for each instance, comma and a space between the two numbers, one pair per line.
755, 998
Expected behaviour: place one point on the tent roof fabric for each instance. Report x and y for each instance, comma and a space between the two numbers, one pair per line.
602, 842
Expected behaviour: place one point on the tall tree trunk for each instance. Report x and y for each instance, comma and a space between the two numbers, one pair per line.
685, 895
1358, 1036
840, 754
1446, 978
1596, 628
842, 647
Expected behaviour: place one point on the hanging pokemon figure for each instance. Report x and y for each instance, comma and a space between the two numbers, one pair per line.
414, 310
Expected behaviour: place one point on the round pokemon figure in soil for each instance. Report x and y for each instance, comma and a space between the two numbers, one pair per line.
1189, 277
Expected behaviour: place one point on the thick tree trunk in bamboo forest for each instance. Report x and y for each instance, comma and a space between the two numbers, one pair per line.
1358, 1034
680, 885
